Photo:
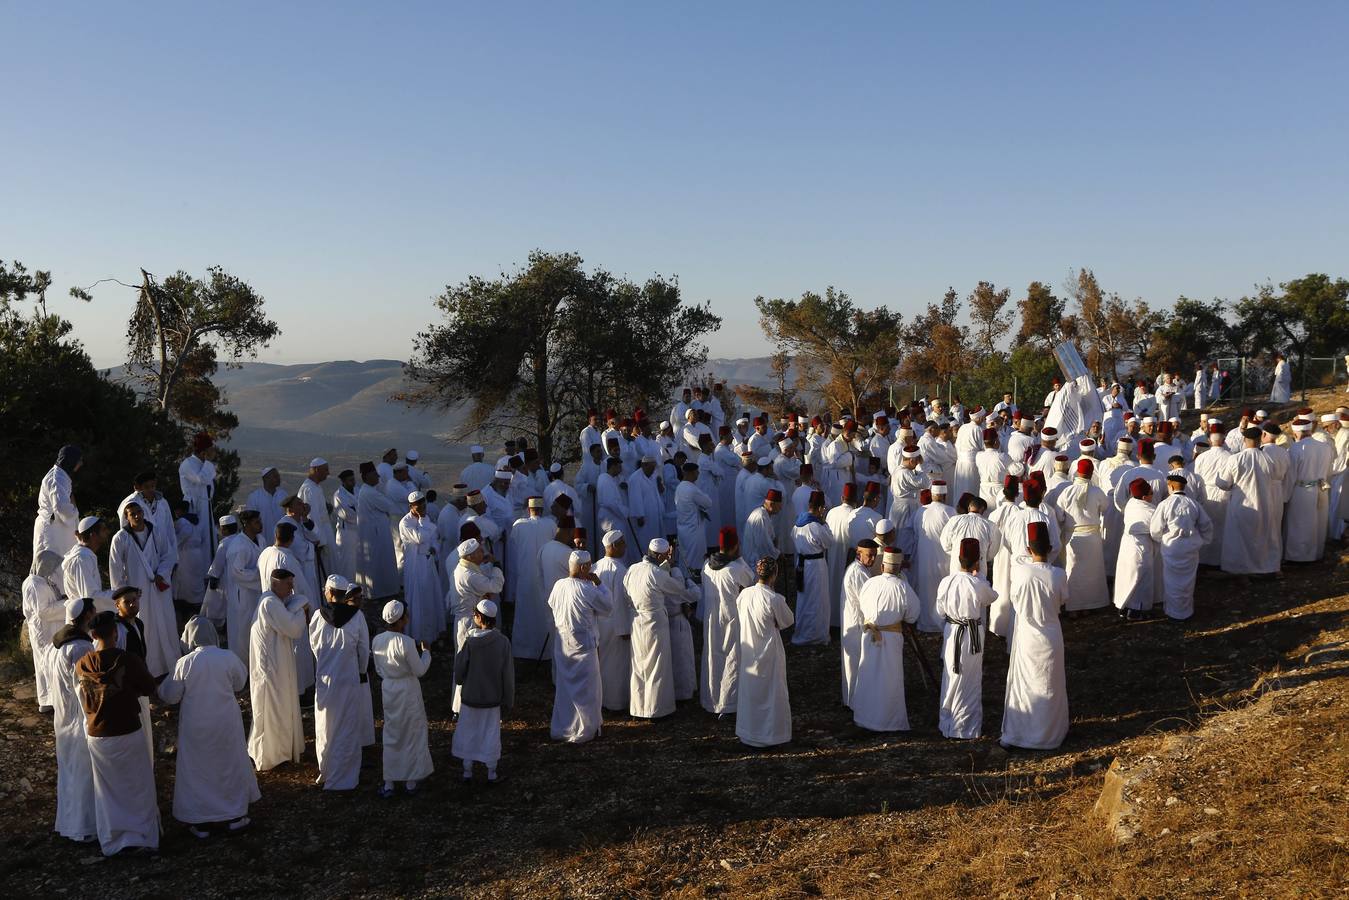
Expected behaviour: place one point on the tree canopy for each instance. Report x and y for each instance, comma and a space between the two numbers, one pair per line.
533, 350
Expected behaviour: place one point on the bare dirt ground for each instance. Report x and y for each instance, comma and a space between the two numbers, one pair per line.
1239, 715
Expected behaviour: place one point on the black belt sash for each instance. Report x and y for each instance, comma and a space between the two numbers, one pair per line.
973, 627
808, 556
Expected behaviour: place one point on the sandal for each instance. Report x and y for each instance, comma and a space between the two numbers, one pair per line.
385, 792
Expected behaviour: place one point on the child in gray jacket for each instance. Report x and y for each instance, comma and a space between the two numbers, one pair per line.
485, 673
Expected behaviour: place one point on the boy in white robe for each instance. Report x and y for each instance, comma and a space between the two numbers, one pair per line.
337, 685
43, 614
1138, 576
724, 577
850, 622
652, 588
759, 540
887, 605
401, 662
485, 672
763, 713
111, 683
75, 817
1181, 528
346, 536
277, 735
576, 602
963, 600
213, 778
422, 592
812, 539
1035, 705
135, 559
79, 568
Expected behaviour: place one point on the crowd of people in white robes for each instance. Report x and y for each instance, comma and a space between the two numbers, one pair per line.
667, 567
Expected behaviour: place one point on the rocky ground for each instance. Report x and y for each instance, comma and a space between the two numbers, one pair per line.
1227, 736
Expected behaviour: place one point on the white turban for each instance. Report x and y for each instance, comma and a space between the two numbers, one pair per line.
612, 537
337, 583
393, 611
416, 497
86, 523
227, 520
468, 548
476, 449
765, 461
488, 608
578, 558
658, 545
317, 461
884, 527
412, 456
784, 444
74, 606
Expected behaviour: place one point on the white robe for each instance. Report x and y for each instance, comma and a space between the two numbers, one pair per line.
1083, 506
1249, 547
125, 804
1035, 704
213, 778
758, 539
311, 492
131, 564
75, 816
962, 602
196, 478
277, 735
578, 692
970, 525
646, 502
813, 600
839, 554
850, 626
1281, 391
240, 586
1306, 517
722, 584
693, 509
376, 566
57, 516
43, 614
969, 444
422, 591
1207, 468
472, 584
407, 749
268, 507
337, 707
271, 559
524, 584
80, 578
346, 536
613, 639
651, 688
763, 713
613, 512
1138, 572
1180, 527
878, 690
931, 561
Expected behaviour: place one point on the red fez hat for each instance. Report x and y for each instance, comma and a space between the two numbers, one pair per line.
872, 489
990, 434
1011, 481
1138, 488
1037, 533
1147, 443
1215, 427
774, 495
469, 530
969, 548
724, 430
1016, 415
881, 420
815, 420
1128, 416
807, 469
727, 538
758, 420
201, 441
965, 498
531, 454
816, 498
579, 532
850, 491
1033, 491
1049, 431
591, 412
610, 414
849, 425
1085, 467
1037, 477
925, 496
626, 423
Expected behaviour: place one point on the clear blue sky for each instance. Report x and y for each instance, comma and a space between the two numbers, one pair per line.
350, 160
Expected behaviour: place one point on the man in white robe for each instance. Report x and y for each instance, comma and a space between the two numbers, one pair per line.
213, 778
401, 662
613, 639
759, 540
693, 509
973, 523
613, 505
281, 556
422, 592
277, 734
813, 540
1306, 517
376, 565
267, 499
725, 576
1210, 460
1180, 527
931, 561
992, 466
57, 516
478, 474
1035, 703
886, 604
524, 584
963, 599
906, 486
346, 534
651, 589
534, 620
839, 555
763, 713
969, 444
577, 601
320, 517
196, 478
240, 584
337, 686
1281, 388
44, 613
111, 683
1138, 571
79, 569
851, 620
1249, 547
1082, 506
134, 560
75, 812
476, 578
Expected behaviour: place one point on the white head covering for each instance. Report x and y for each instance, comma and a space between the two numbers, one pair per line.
658, 545
393, 611
475, 449
488, 608
412, 456
199, 632
227, 520
416, 496
612, 537
337, 583
468, 547
784, 444
578, 558
765, 461
555, 468
268, 469
86, 523
503, 474
884, 527
74, 606
317, 461
1329, 417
